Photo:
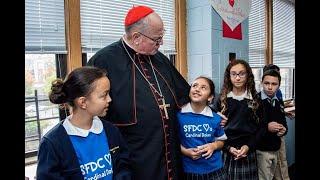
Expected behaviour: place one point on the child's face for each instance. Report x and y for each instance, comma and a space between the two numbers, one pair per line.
270, 85
200, 91
238, 76
98, 100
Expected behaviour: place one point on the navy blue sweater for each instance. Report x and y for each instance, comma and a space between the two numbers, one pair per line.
57, 158
242, 125
269, 141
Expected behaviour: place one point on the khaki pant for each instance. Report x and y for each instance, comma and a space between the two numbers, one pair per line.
267, 164
282, 166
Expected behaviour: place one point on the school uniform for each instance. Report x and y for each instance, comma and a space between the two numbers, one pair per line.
272, 110
196, 129
58, 158
241, 129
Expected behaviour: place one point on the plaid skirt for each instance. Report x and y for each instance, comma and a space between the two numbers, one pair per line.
219, 174
241, 169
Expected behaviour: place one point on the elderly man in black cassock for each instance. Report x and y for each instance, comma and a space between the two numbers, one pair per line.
146, 92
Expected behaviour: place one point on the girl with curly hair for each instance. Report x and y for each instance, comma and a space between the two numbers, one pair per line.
239, 103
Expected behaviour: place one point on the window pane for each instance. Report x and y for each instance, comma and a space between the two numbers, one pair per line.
102, 22
257, 73
40, 70
44, 26
283, 34
257, 39
40, 113
31, 136
287, 79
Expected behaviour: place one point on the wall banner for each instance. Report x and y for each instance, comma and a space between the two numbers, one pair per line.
232, 12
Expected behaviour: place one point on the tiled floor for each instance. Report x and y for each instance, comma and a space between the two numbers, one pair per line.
30, 171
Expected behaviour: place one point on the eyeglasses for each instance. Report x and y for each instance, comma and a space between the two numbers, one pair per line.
157, 40
240, 74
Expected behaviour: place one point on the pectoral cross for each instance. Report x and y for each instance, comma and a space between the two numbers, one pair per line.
164, 107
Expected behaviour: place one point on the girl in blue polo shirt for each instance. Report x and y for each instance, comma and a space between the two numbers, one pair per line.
201, 134
82, 146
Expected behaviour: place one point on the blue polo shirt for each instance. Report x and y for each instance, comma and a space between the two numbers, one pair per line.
196, 130
92, 150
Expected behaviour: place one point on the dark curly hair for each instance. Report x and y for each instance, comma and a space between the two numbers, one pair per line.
227, 85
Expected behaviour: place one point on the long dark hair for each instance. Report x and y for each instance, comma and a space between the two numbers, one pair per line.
80, 82
227, 85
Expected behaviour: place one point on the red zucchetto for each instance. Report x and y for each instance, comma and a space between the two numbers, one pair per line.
136, 13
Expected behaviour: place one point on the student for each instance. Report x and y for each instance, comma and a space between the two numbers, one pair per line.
201, 134
282, 167
239, 102
273, 123
82, 146
274, 67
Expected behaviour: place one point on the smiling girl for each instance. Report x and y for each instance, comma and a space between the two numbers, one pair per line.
201, 134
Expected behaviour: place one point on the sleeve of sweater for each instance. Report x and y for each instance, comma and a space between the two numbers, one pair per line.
48, 162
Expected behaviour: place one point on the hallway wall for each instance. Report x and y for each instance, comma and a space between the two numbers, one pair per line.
207, 51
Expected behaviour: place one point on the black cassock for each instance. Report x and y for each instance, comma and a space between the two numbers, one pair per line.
152, 139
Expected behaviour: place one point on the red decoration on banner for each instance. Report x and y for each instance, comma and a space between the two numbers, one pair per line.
231, 2
227, 32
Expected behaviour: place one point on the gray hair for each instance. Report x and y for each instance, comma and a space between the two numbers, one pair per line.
141, 25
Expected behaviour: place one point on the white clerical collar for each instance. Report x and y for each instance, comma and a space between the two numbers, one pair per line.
264, 96
125, 41
96, 127
240, 97
206, 111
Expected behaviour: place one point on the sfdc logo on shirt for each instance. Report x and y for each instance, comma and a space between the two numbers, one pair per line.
101, 163
197, 128
200, 130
